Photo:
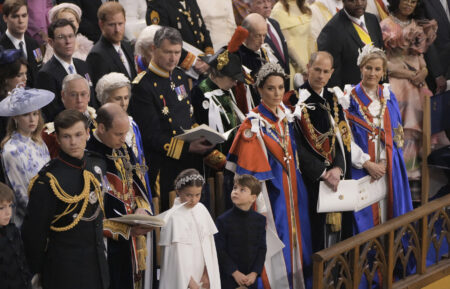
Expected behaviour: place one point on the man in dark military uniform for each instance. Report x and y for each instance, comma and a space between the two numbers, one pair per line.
162, 108
125, 194
62, 231
185, 16
324, 142
252, 53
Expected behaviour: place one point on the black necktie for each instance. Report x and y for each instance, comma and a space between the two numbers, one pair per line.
21, 48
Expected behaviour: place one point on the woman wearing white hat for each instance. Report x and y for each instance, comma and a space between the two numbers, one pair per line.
72, 13
23, 151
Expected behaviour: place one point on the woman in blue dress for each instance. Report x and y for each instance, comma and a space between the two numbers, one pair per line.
23, 151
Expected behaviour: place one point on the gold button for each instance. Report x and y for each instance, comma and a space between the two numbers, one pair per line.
161, 96
187, 101
166, 147
195, 32
179, 77
170, 119
155, 84
174, 132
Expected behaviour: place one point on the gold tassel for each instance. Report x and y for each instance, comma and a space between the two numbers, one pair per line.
142, 252
334, 219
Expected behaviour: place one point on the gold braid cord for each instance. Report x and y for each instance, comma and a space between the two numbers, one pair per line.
72, 201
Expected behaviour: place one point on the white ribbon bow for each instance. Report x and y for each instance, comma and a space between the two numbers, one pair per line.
214, 110
304, 94
257, 122
386, 91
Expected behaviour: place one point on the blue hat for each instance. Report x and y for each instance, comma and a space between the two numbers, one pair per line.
22, 101
9, 55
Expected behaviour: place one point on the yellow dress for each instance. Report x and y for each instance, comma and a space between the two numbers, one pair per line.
295, 26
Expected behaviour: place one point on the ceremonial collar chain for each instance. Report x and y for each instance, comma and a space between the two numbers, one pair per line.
320, 139
281, 138
364, 111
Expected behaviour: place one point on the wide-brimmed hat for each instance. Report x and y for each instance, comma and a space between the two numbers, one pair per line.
227, 60
22, 101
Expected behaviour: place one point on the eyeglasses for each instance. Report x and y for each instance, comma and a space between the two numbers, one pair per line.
65, 37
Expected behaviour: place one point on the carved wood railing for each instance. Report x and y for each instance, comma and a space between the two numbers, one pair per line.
383, 256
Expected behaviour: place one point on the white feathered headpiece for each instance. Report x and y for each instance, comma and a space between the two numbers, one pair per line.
367, 50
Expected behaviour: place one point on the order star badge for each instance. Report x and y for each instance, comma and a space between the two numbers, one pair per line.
165, 110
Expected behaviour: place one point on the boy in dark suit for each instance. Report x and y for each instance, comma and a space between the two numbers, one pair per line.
241, 241
15, 15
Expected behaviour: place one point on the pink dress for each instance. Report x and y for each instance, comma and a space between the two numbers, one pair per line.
405, 44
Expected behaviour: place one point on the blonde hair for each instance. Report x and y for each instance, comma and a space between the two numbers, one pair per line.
11, 127
374, 54
69, 10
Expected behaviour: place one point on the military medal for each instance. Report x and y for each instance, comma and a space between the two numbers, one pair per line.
181, 92
93, 197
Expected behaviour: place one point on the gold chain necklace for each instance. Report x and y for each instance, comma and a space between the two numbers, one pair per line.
364, 111
319, 140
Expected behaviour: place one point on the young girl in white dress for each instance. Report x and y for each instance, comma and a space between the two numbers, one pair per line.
189, 258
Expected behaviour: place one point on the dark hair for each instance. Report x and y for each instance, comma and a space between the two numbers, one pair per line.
168, 33
8, 71
250, 182
6, 194
188, 178
57, 24
69, 117
109, 9
12, 6
417, 13
105, 117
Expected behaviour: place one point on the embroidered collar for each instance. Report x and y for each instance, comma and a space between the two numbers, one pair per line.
158, 70
71, 161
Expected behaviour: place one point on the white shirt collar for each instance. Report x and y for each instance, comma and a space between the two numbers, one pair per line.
117, 47
14, 40
66, 64
360, 21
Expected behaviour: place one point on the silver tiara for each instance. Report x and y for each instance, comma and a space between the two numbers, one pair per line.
267, 69
184, 180
367, 49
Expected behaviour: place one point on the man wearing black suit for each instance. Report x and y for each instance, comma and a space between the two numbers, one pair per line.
349, 30
111, 53
61, 36
89, 21
440, 69
15, 14
274, 36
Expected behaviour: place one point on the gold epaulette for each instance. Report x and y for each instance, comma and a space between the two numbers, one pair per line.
138, 78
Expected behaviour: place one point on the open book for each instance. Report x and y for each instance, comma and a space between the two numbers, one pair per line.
203, 130
140, 220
